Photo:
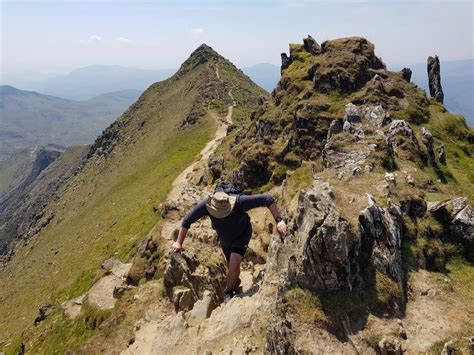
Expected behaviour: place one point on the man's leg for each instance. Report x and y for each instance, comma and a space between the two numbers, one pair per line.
233, 271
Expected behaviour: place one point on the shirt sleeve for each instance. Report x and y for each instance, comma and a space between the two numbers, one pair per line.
197, 212
248, 202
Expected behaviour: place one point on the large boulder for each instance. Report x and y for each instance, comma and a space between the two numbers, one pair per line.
325, 257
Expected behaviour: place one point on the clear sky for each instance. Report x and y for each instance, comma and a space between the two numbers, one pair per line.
51, 37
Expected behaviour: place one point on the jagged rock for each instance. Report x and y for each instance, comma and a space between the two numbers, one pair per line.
203, 308
381, 235
216, 167
334, 128
345, 162
448, 348
434, 79
376, 116
230, 128
277, 340
183, 299
429, 142
442, 154
310, 45
285, 62
390, 346
43, 312
352, 113
326, 247
406, 74
345, 71
399, 131
264, 130
354, 128
463, 225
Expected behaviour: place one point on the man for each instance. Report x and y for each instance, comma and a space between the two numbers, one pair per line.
232, 224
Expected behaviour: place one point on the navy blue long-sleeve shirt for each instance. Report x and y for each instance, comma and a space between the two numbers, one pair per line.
235, 224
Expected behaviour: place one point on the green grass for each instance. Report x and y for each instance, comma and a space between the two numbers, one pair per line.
105, 210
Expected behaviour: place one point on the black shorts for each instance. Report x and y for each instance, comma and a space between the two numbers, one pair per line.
238, 245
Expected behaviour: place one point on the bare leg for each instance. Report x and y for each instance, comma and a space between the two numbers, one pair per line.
233, 270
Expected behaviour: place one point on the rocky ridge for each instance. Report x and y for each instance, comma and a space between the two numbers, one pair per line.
349, 149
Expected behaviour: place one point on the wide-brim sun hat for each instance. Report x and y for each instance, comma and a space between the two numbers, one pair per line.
220, 204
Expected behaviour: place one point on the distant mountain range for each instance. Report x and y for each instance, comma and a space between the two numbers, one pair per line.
88, 82
30, 119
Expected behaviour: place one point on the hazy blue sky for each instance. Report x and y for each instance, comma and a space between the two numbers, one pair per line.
49, 37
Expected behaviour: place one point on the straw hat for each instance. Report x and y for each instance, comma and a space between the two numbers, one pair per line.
220, 205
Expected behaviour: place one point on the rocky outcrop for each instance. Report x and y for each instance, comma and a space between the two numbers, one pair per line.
381, 239
345, 71
428, 140
458, 216
334, 128
406, 74
442, 154
327, 250
277, 341
186, 281
310, 45
434, 79
285, 62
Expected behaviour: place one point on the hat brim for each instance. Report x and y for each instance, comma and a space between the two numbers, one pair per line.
221, 212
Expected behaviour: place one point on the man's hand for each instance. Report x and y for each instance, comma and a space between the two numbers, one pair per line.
176, 248
281, 228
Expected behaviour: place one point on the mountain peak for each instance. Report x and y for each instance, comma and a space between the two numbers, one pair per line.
200, 55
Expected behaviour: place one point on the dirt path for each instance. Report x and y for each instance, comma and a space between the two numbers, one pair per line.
182, 180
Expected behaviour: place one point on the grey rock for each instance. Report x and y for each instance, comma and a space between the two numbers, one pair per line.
448, 348
285, 62
310, 45
442, 154
43, 312
352, 113
390, 346
434, 79
354, 128
216, 167
463, 225
326, 246
400, 128
278, 339
264, 130
406, 74
334, 128
203, 308
376, 115
429, 142
381, 235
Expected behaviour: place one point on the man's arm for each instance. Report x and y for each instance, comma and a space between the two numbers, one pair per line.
196, 213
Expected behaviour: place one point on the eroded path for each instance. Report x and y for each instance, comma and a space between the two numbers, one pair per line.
231, 326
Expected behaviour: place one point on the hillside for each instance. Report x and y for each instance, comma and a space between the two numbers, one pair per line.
87, 82
31, 119
374, 179
28, 180
108, 207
